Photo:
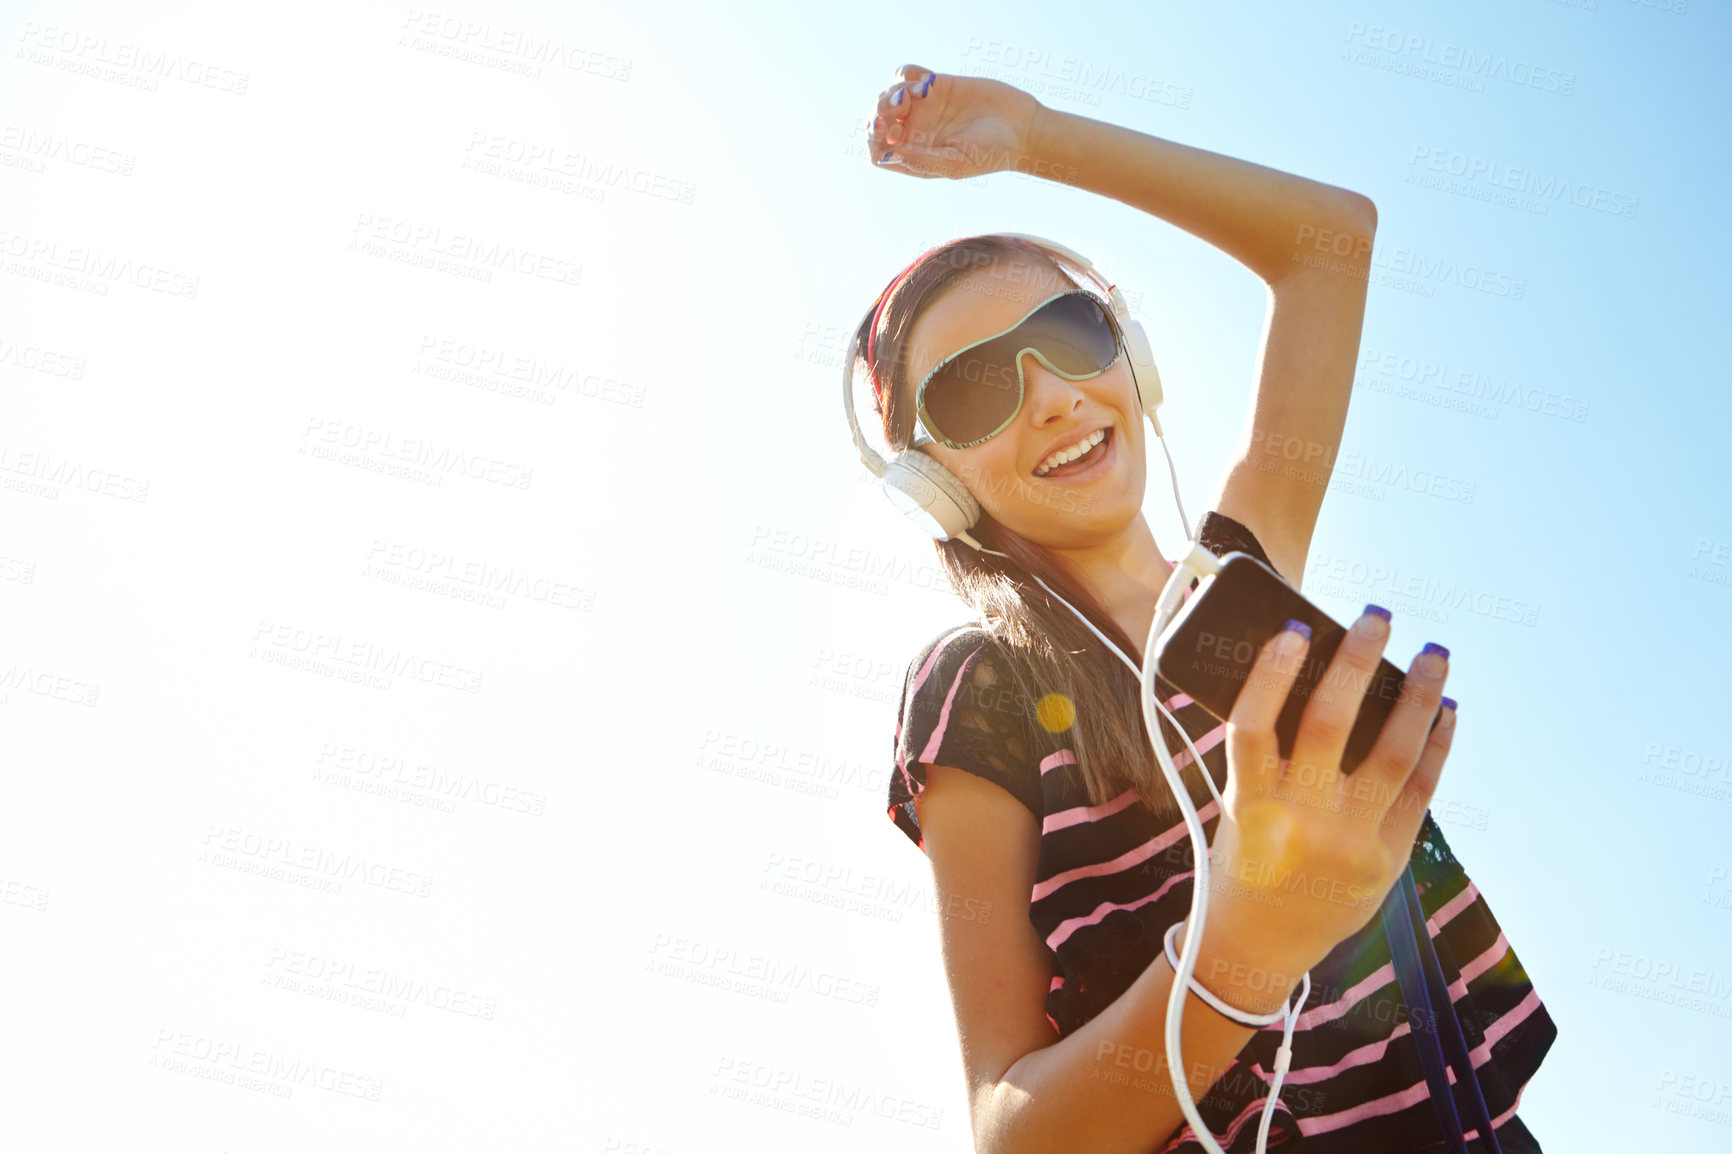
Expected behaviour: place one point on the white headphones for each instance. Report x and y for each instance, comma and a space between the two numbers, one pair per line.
935, 498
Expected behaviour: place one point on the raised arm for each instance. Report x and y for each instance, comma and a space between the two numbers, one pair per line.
1309, 242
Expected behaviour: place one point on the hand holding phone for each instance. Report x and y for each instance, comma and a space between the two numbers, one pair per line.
1305, 853
1209, 647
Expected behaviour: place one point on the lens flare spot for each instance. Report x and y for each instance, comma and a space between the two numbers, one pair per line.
1055, 713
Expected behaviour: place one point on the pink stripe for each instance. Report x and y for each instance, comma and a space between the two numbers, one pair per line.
902, 764
932, 658
1204, 744
1053, 760
1449, 909
1492, 956
1069, 926
1124, 861
926, 667
1320, 1015
1183, 758
1500, 1119
1083, 814
1494, 1033
1063, 931
1506, 1115
1374, 1051
1385, 973
1225, 1141
907, 781
1370, 1052
931, 750
1390, 1103
1376, 1108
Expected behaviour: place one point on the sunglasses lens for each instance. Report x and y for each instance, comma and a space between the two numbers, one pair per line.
975, 394
1075, 334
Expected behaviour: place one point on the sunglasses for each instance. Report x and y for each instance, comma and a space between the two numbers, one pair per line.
975, 393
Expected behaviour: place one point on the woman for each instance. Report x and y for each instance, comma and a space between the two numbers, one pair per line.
1023, 769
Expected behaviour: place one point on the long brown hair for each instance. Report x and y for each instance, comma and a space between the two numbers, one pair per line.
1084, 690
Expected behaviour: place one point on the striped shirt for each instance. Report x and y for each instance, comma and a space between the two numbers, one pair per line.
1110, 880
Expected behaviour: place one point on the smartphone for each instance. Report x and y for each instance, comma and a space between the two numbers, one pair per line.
1208, 649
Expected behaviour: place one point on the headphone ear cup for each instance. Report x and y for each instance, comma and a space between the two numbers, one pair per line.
1143, 370
930, 494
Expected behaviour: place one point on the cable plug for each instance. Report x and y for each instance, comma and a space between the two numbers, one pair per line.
1283, 1059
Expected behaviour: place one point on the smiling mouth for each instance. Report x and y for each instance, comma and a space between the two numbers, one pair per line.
1090, 462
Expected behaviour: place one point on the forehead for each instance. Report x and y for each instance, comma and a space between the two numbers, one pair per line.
986, 301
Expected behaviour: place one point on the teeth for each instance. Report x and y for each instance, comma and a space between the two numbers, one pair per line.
1070, 454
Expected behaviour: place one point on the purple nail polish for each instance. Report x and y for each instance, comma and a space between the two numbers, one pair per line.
1449, 703
1298, 627
1434, 647
885, 159
1377, 609
924, 87
896, 97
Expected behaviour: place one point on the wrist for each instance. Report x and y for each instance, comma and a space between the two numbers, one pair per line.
1258, 976
1044, 142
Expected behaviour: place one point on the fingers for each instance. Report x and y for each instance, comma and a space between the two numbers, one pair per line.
1401, 822
1335, 701
1256, 758
1408, 734
913, 83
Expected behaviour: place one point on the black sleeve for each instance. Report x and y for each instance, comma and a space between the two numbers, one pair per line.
1222, 535
962, 707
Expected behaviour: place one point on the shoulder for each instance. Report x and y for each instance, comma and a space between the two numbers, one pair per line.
966, 642
937, 669
969, 685
962, 638
964, 706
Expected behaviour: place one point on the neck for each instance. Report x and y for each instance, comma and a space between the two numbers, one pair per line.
1126, 574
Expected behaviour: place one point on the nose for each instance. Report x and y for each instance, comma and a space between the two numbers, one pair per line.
1046, 394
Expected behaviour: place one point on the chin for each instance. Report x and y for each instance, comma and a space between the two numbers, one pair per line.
1076, 518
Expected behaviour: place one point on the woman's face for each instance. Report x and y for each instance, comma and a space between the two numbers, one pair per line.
1059, 511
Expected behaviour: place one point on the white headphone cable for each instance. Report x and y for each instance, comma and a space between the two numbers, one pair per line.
1177, 500
1199, 562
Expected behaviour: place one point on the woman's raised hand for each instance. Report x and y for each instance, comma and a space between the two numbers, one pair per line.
1304, 855
931, 125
